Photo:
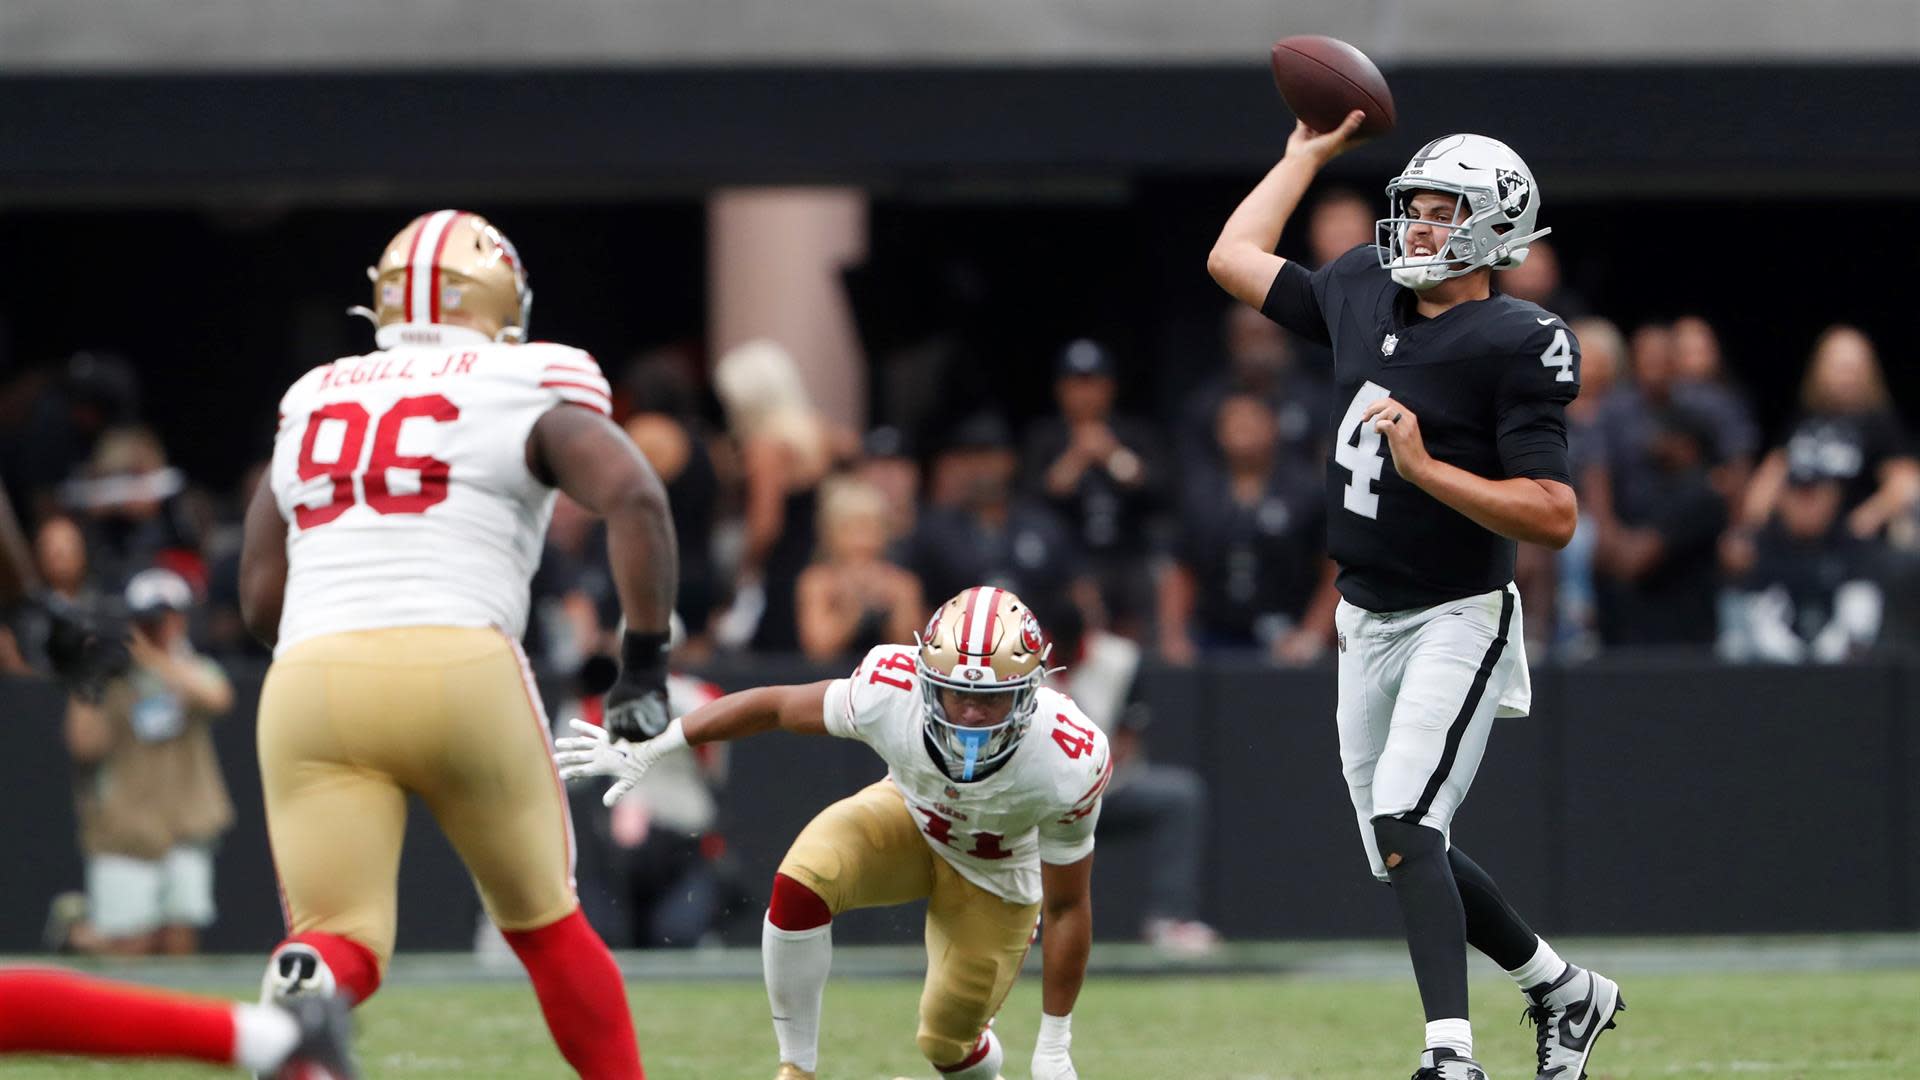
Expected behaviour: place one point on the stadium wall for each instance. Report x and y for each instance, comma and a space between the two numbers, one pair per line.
1589, 131
1645, 796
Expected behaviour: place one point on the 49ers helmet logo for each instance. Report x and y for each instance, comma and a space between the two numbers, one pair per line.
1030, 632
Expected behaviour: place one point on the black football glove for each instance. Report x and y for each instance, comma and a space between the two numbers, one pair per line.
637, 703
83, 654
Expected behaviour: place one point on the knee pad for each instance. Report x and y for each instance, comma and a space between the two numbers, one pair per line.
1405, 842
793, 906
982, 1063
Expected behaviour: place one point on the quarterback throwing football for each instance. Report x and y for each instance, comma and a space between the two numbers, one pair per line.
987, 812
386, 560
1450, 444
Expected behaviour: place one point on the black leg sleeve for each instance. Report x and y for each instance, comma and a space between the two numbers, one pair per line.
1416, 858
1493, 926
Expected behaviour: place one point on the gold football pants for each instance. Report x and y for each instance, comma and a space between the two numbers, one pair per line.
351, 723
866, 851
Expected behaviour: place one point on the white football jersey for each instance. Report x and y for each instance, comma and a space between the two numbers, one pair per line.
1040, 806
403, 479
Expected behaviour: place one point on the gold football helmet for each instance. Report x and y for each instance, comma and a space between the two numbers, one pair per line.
982, 642
453, 267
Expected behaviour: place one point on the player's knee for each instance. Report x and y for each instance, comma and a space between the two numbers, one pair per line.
794, 906
1403, 843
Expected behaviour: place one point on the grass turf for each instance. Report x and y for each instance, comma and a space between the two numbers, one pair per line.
1853, 1024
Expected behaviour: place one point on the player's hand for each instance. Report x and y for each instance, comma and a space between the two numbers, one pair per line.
636, 705
1051, 1061
1319, 147
1402, 431
595, 753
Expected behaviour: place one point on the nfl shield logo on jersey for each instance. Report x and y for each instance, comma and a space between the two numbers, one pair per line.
1391, 343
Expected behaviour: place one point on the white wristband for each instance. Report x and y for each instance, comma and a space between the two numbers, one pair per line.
1056, 1029
673, 738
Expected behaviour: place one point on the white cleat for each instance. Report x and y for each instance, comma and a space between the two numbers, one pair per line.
1568, 1015
1444, 1064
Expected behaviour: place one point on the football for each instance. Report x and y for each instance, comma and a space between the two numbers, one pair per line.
1322, 79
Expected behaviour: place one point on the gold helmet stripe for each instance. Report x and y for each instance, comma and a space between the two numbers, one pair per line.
976, 634
423, 270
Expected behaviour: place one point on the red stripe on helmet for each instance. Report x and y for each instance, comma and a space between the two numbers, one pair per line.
438, 248
413, 249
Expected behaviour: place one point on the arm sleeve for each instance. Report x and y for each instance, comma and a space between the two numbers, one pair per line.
1293, 301
569, 376
1068, 838
1531, 404
852, 703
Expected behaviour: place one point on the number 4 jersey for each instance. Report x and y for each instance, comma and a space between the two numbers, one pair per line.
1040, 806
403, 478
1489, 381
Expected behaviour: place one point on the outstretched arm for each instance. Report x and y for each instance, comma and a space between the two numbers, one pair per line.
593, 752
1242, 259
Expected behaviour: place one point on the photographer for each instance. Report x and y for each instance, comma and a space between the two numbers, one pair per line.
151, 802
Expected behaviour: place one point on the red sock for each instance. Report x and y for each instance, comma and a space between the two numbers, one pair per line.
793, 906
58, 1012
581, 994
356, 971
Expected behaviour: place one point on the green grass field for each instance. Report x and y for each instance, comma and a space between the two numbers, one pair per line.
1830, 1024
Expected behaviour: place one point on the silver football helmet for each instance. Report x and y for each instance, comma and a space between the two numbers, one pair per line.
1496, 204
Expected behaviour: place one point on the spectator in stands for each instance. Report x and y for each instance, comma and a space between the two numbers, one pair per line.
1576, 618
1538, 280
987, 535
1165, 803
1654, 552
785, 451
1267, 362
151, 800
60, 555
128, 498
1808, 593
91, 393
1250, 568
575, 604
1341, 220
1100, 472
888, 463
1847, 430
665, 424
666, 883
852, 598
1702, 384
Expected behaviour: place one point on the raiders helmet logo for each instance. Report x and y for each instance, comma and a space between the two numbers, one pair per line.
1390, 343
1029, 633
1514, 191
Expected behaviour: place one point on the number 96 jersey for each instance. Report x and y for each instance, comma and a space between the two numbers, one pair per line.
403, 479
1040, 806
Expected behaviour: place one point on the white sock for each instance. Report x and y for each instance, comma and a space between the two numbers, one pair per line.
796, 964
1545, 967
987, 1067
263, 1036
1455, 1035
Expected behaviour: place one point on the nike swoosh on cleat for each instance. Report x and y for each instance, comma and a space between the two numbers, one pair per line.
1544, 322
1584, 1015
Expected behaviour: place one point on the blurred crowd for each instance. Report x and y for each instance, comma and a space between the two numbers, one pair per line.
1194, 529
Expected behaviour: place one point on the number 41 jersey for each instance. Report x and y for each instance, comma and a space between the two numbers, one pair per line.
1489, 381
403, 479
1040, 806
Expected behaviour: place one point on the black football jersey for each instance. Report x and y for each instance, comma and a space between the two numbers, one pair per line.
1489, 380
